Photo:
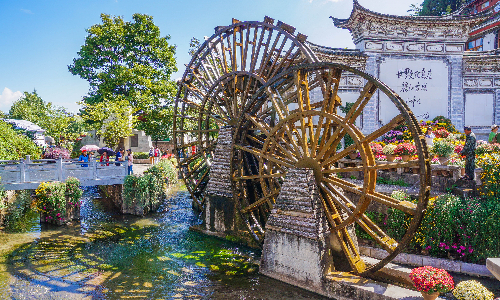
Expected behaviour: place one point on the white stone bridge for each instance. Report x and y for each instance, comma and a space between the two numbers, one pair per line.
28, 174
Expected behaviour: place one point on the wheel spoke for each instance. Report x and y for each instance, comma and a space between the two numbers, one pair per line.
388, 243
261, 201
343, 236
277, 159
360, 104
405, 206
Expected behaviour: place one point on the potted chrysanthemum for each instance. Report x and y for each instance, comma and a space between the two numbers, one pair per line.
388, 151
431, 281
472, 290
405, 150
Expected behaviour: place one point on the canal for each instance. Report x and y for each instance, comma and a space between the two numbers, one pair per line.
109, 256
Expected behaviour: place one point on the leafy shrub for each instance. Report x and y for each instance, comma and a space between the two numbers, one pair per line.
164, 170
50, 200
444, 122
149, 189
145, 191
73, 191
465, 229
490, 177
141, 155
14, 145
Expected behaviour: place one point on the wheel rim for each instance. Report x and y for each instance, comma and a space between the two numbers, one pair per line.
291, 130
222, 76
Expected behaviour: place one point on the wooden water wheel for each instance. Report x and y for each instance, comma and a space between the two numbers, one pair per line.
222, 76
293, 122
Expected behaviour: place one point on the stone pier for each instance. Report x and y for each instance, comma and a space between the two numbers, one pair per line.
296, 246
220, 211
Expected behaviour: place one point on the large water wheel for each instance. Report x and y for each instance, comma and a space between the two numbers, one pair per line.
293, 122
222, 76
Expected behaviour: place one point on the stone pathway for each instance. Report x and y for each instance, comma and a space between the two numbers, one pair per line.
140, 168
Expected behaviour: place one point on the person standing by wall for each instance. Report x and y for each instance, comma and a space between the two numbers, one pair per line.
151, 155
104, 158
83, 158
119, 156
493, 137
470, 153
130, 161
157, 155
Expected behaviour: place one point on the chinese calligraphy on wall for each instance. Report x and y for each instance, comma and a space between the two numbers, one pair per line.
423, 84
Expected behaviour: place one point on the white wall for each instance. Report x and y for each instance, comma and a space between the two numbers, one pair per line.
479, 109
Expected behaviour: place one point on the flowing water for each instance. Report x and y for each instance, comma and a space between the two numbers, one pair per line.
108, 256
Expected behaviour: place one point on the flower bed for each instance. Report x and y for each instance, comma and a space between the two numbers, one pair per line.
58, 202
462, 229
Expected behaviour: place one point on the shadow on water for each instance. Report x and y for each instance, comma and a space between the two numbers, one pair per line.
108, 256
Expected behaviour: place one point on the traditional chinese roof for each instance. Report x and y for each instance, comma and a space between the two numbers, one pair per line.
363, 23
483, 62
23, 124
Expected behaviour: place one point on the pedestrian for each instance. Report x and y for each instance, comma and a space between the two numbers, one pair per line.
429, 137
157, 155
151, 155
494, 136
119, 156
130, 159
83, 158
104, 158
469, 151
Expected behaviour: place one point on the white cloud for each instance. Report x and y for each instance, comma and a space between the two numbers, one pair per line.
27, 11
8, 97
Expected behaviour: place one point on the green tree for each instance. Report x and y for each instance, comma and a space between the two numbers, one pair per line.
157, 123
14, 145
58, 123
127, 64
112, 120
438, 7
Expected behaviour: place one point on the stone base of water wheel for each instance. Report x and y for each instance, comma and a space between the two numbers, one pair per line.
297, 245
219, 213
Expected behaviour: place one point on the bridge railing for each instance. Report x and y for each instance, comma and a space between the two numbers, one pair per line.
28, 174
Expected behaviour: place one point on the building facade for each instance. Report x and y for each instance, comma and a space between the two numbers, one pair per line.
424, 60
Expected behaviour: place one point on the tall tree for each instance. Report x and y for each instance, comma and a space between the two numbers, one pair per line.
128, 64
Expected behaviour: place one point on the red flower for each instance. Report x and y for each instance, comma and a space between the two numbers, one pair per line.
429, 280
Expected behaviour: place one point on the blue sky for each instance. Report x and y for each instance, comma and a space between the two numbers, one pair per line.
39, 39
